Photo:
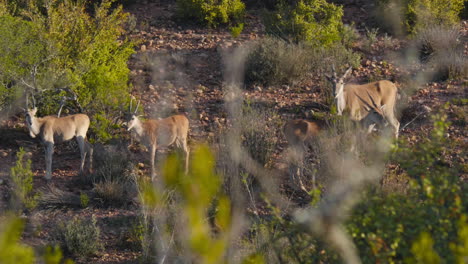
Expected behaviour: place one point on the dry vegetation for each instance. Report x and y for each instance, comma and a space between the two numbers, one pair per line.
240, 202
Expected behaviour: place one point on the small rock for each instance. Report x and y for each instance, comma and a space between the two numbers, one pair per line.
258, 88
2, 181
3, 154
151, 87
427, 109
143, 48
141, 165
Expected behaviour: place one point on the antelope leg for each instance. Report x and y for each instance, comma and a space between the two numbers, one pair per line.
49, 150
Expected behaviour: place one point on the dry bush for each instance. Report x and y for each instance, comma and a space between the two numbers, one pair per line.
52, 198
442, 49
259, 132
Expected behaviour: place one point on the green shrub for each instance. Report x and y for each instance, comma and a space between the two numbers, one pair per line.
418, 14
84, 200
212, 12
314, 21
236, 30
22, 178
349, 35
11, 250
80, 237
385, 226
105, 126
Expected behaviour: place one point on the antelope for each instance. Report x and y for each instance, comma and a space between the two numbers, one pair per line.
159, 133
357, 99
52, 129
300, 134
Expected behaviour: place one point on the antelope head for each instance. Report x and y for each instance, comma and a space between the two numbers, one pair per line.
338, 84
376, 113
30, 116
132, 118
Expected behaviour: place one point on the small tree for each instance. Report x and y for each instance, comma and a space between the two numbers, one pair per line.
22, 51
22, 178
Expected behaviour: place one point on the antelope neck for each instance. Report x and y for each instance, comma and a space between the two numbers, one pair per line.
138, 127
340, 100
35, 125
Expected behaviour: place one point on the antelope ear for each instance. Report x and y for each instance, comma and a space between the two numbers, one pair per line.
382, 107
34, 111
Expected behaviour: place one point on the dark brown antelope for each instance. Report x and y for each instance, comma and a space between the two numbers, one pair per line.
159, 133
300, 134
356, 99
52, 129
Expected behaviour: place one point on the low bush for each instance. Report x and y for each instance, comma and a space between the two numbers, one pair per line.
80, 237
113, 181
212, 12
316, 22
417, 14
273, 61
22, 178
441, 49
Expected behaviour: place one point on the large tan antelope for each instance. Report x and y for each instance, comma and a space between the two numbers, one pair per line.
160, 133
52, 129
356, 99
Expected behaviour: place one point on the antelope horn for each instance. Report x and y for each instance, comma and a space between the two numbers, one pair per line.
348, 71
369, 107
334, 71
130, 106
372, 100
27, 101
138, 104
34, 101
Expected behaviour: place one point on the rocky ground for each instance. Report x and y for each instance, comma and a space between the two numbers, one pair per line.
179, 69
